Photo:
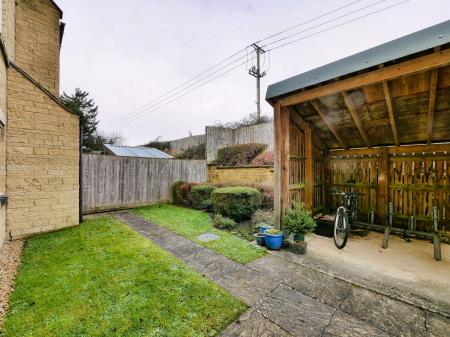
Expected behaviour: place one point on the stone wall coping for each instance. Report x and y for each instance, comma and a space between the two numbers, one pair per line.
238, 167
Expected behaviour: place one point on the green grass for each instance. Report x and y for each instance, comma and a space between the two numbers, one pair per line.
191, 223
103, 279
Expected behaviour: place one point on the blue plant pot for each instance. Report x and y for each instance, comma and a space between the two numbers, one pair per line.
273, 241
264, 226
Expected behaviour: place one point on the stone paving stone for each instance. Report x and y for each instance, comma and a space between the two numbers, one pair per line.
437, 325
247, 284
295, 312
326, 288
253, 324
389, 315
344, 325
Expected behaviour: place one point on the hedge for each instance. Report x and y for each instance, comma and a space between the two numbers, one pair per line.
176, 193
238, 155
200, 196
237, 203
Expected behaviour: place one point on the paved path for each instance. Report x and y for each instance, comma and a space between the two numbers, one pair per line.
287, 299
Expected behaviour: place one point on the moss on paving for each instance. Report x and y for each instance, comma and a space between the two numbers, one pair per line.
191, 223
103, 279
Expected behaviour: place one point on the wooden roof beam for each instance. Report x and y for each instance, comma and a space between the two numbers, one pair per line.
356, 118
319, 111
417, 65
432, 104
390, 109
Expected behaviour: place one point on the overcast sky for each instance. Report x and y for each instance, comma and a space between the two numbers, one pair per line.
127, 52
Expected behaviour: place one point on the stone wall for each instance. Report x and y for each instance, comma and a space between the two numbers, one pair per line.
38, 41
42, 160
258, 175
3, 71
9, 27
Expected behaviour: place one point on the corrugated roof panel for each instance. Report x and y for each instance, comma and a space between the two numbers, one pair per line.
141, 152
407, 45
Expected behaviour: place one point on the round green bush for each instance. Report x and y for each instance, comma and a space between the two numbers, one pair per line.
237, 203
200, 196
223, 222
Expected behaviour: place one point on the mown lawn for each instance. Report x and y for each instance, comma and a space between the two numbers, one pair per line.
103, 279
191, 223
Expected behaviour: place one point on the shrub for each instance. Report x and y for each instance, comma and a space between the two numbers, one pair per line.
185, 191
266, 197
176, 192
238, 155
237, 203
223, 222
263, 159
262, 216
200, 196
298, 220
193, 152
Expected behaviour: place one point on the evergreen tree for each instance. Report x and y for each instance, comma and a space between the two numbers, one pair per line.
86, 107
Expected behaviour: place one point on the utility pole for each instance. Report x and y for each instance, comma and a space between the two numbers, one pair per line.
255, 71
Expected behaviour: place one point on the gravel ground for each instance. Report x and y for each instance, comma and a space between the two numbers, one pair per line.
10, 254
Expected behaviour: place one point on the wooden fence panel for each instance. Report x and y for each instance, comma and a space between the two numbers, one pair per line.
111, 182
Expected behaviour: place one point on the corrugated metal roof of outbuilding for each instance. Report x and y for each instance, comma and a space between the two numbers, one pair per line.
407, 45
131, 151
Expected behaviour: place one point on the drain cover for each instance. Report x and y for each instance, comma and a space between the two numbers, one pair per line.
205, 237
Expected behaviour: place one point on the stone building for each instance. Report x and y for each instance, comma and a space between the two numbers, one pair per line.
39, 137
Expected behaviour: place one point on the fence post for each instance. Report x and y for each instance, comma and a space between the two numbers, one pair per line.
309, 169
383, 185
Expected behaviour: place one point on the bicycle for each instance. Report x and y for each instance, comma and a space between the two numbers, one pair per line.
346, 215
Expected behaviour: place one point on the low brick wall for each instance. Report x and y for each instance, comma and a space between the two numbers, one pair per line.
255, 175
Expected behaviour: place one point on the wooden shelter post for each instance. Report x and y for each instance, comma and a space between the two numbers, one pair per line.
281, 157
309, 169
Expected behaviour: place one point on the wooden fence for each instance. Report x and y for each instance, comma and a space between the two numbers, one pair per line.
111, 182
217, 138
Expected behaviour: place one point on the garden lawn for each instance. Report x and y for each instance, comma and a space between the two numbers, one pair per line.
103, 279
191, 223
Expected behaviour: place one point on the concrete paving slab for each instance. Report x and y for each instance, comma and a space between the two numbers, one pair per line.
253, 324
295, 312
247, 284
344, 325
389, 315
437, 325
326, 288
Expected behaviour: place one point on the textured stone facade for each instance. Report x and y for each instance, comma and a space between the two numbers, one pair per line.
38, 41
261, 175
39, 144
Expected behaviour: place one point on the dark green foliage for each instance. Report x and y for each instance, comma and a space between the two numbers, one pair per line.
176, 193
238, 155
223, 222
81, 104
193, 152
200, 196
249, 120
238, 203
298, 220
159, 144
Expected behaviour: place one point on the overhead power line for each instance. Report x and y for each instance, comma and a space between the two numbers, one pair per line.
180, 90
187, 84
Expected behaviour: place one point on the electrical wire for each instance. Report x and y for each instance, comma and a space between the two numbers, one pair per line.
162, 100
185, 85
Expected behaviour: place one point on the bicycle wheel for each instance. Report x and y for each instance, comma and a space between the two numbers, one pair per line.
341, 229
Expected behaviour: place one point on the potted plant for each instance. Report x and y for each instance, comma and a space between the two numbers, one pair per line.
273, 238
264, 226
259, 237
298, 222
